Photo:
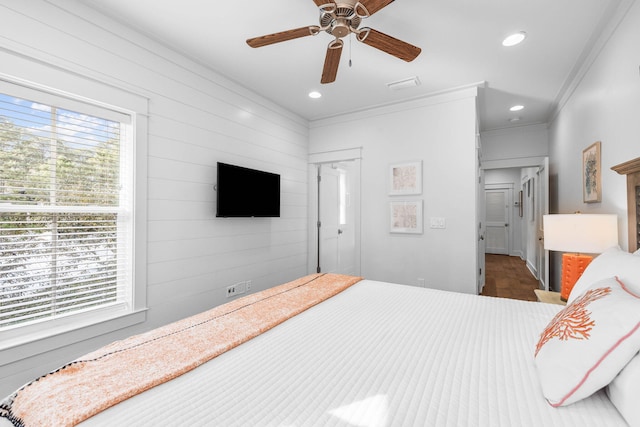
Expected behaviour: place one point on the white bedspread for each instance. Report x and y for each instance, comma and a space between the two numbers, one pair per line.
378, 354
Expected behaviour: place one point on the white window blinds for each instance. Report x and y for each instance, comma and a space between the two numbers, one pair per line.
65, 206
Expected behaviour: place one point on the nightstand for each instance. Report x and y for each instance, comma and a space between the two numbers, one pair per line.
549, 297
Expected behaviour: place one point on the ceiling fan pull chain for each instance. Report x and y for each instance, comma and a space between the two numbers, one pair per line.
350, 37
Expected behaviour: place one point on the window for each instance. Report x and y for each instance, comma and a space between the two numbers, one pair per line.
66, 211
343, 196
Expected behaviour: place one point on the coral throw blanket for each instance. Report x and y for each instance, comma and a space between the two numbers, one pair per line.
125, 368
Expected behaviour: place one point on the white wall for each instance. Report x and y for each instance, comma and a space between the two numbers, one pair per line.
196, 118
604, 106
514, 147
441, 132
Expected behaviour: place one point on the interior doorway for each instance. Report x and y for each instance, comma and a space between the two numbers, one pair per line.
498, 218
334, 217
526, 205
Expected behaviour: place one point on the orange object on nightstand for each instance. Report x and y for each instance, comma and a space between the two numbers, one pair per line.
573, 266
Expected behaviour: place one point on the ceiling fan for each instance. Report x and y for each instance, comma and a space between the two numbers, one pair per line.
341, 18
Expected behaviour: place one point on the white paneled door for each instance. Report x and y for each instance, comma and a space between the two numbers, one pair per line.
336, 228
497, 221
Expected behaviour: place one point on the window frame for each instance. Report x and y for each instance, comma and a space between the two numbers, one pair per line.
62, 85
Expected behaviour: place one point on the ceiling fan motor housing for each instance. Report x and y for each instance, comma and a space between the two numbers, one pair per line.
339, 21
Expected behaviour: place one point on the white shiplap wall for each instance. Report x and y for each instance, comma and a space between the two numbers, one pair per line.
196, 118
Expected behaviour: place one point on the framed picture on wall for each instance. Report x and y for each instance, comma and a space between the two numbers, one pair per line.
591, 174
405, 178
405, 216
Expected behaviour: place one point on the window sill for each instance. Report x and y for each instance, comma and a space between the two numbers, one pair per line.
32, 344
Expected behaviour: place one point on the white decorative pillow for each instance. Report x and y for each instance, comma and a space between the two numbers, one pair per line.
624, 390
612, 262
587, 343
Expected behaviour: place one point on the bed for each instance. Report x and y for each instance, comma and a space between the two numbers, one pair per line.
369, 353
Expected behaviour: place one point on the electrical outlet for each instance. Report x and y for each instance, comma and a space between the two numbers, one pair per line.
248, 284
231, 291
237, 289
240, 287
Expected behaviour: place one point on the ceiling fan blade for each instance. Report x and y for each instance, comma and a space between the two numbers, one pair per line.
370, 7
322, 2
391, 45
331, 61
283, 36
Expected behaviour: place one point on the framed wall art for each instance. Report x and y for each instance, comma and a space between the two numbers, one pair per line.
405, 178
405, 216
591, 174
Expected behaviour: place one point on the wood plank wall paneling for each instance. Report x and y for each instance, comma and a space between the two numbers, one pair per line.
196, 118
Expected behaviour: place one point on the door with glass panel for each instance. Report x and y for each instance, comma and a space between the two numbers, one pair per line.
336, 213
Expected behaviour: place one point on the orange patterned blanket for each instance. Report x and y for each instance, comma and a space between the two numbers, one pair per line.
125, 368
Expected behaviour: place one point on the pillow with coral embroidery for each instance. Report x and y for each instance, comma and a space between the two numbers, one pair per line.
587, 343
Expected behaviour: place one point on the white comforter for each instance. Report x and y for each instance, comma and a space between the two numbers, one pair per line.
378, 354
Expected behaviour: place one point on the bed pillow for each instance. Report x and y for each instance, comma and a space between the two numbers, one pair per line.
589, 342
612, 262
624, 390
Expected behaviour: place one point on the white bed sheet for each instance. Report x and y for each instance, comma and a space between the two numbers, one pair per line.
377, 354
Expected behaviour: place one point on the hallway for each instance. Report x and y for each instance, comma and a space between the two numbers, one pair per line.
508, 277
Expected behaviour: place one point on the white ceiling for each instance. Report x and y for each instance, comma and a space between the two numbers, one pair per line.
460, 41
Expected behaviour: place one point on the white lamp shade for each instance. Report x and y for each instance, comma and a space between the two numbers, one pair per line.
583, 233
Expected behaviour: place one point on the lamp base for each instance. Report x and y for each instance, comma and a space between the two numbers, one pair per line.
573, 266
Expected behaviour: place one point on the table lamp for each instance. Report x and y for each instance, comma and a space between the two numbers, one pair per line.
578, 234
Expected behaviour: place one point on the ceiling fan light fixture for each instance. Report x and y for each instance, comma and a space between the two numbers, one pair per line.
514, 39
404, 84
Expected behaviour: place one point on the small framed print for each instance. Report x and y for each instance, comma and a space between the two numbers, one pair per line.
405, 178
591, 174
406, 216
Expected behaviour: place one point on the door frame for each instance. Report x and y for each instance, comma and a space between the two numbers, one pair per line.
337, 156
530, 162
543, 209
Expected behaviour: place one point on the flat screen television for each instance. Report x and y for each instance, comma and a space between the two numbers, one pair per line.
244, 192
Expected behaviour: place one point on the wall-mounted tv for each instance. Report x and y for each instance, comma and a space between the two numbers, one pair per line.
244, 192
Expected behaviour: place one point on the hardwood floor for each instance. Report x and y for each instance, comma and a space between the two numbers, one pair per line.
508, 277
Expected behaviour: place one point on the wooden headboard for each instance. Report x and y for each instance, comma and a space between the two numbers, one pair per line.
632, 170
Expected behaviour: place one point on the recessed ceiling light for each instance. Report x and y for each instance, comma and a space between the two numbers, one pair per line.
516, 108
514, 39
315, 94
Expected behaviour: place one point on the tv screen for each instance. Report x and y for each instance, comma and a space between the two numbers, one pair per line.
244, 192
